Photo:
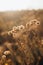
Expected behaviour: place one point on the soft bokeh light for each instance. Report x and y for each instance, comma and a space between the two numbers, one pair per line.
20, 4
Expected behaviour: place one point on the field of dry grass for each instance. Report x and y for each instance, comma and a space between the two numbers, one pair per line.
9, 19
21, 37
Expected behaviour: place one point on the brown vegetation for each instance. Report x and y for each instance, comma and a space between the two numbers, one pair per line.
22, 44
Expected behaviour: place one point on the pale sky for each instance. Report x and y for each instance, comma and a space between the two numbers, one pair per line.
6, 5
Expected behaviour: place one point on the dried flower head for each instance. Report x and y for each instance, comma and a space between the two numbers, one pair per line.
27, 25
21, 27
15, 28
10, 32
3, 57
7, 52
37, 22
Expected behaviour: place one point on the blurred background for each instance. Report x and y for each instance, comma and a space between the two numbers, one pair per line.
16, 12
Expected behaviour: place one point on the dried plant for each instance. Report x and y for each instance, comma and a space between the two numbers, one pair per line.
23, 45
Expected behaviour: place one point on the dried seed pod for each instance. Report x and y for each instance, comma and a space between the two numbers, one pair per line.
7, 52
37, 22
10, 32
27, 25
32, 22
3, 59
21, 27
16, 28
